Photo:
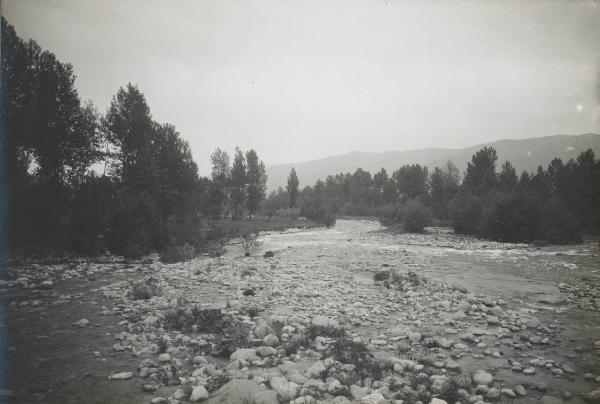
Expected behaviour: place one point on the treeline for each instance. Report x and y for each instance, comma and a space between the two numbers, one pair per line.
75, 180
554, 205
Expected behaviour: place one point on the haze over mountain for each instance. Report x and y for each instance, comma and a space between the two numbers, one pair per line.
524, 154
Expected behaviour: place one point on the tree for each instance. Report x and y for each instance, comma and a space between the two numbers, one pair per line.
507, 179
411, 181
129, 129
257, 181
444, 186
221, 172
292, 187
237, 184
480, 178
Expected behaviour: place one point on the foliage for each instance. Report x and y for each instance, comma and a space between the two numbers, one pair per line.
257, 180
144, 289
238, 185
292, 187
345, 351
381, 276
250, 244
178, 253
416, 217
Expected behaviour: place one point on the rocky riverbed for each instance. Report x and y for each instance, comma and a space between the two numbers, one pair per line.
349, 314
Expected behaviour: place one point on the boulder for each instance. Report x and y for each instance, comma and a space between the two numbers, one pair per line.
199, 393
238, 391
244, 355
482, 377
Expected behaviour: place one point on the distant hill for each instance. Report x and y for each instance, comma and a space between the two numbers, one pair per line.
524, 154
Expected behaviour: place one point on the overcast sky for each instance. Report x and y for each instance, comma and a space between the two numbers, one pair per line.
300, 80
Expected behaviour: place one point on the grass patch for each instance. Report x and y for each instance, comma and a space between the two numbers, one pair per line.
144, 289
358, 355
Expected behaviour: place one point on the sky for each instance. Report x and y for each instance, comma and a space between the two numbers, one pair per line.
301, 79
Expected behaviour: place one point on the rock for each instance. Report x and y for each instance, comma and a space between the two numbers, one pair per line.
199, 393
493, 320
151, 320
237, 391
592, 397
414, 336
322, 321
179, 394
463, 381
266, 351
286, 391
244, 355
508, 392
46, 285
262, 330
445, 343
550, 400
357, 392
82, 323
271, 340
316, 370
520, 390
164, 357
373, 398
493, 393
266, 397
529, 371
482, 377
121, 376
437, 401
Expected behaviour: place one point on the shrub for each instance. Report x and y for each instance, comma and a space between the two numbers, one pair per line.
250, 244
416, 217
464, 212
290, 213
178, 253
381, 276
509, 217
315, 331
144, 289
233, 336
357, 354
328, 217
558, 224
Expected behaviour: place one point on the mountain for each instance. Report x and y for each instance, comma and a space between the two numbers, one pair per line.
524, 154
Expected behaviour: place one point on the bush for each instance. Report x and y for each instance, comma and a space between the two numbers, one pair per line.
178, 253
144, 289
558, 224
509, 217
381, 276
292, 213
464, 212
357, 354
250, 244
328, 217
416, 217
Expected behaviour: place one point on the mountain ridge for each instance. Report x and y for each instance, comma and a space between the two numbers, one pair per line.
524, 154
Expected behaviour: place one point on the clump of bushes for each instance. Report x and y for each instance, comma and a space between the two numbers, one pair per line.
315, 331
250, 244
144, 289
345, 350
178, 253
204, 319
401, 279
412, 215
416, 217
381, 276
